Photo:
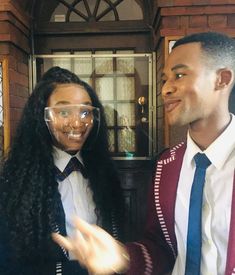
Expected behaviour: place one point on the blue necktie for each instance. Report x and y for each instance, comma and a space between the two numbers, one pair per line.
194, 238
73, 165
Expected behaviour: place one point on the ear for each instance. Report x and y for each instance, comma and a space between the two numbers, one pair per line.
225, 77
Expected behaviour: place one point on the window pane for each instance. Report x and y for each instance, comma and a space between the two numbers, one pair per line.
63, 62
104, 65
83, 65
126, 114
86, 79
111, 140
104, 88
125, 64
126, 140
125, 88
109, 114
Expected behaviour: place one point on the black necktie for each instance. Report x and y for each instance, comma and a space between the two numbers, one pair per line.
73, 165
194, 238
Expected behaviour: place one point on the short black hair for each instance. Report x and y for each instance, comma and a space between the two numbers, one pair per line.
219, 48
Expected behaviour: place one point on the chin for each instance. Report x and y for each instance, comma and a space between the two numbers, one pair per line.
72, 152
73, 148
69, 148
177, 122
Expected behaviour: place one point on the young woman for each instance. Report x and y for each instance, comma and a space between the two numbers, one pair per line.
63, 119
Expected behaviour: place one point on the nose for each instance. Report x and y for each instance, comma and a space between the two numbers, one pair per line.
76, 122
168, 88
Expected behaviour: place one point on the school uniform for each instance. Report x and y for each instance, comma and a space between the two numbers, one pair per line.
75, 198
163, 247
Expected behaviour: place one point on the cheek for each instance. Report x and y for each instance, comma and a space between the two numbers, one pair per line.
59, 124
193, 92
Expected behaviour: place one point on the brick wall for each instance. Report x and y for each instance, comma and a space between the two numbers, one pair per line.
14, 46
182, 17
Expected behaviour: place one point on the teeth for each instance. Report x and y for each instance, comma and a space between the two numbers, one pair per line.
74, 135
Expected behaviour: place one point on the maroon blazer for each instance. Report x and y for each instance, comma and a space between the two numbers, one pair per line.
155, 254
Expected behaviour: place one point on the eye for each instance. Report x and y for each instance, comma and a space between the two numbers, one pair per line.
163, 81
64, 113
179, 75
84, 113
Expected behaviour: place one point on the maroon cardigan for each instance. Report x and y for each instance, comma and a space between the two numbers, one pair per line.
155, 254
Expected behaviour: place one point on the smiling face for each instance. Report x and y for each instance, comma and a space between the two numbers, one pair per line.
71, 124
188, 90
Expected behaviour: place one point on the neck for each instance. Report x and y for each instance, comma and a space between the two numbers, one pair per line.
204, 133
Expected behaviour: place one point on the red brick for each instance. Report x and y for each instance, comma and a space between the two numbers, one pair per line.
24, 91
13, 126
196, 30
224, 2
171, 22
12, 62
165, 3
195, 10
173, 11
198, 21
183, 2
20, 91
16, 113
18, 78
4, 48
4, 27
172, 32
22, 68
216, 2
201, 2
231, 21
225, 9
184, 21
5, 37
17, 102
217, 21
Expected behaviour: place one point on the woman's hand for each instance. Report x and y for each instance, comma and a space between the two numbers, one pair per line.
95, 249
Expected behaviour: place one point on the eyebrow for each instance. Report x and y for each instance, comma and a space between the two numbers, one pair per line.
176, 67
68, 102
179, 66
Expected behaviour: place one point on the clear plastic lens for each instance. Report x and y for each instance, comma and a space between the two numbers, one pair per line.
85, 113
70, 124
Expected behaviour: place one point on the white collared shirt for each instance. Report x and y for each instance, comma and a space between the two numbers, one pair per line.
75, 193
217, 199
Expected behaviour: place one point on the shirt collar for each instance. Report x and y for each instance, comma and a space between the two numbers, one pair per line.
218, 151
61, 158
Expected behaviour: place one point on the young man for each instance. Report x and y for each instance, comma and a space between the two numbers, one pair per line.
198, 79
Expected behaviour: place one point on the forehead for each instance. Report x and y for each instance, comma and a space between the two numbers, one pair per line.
69, 94
189, 54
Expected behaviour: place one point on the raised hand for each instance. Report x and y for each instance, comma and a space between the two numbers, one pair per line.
95, 249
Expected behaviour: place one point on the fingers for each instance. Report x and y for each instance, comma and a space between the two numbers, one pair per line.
95, 248
62, 241
84, 227
77, 245
94, 233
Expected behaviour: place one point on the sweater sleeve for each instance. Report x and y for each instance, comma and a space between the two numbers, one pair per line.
151, 255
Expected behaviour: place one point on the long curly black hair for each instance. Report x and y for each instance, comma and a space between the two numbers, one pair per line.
29, 198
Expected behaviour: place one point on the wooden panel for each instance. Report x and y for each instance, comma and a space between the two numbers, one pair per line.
136, 176
6, 106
